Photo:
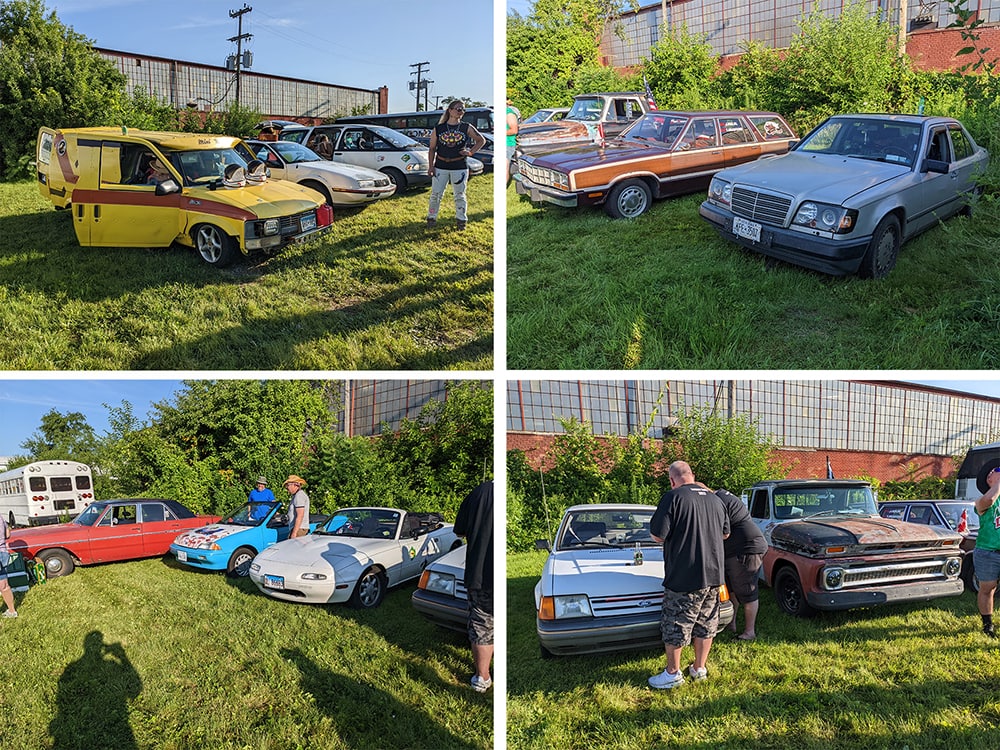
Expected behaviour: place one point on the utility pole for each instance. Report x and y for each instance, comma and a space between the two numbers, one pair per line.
421, 83
239, 63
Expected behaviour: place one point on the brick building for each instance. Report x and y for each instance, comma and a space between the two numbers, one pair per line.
889, 430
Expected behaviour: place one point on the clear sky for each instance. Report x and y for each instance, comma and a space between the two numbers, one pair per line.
24, 402
360, 44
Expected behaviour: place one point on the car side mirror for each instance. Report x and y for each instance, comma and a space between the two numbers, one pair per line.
543, 544
936, 166
167, 187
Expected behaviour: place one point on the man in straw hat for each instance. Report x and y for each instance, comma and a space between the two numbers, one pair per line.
298, 507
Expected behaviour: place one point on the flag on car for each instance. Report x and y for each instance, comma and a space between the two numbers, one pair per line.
649, 93
963, 522
829, 469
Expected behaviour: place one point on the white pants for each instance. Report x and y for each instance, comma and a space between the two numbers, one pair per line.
459, 179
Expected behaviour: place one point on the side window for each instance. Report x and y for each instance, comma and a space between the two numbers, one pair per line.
152, 512
920, 514
124, 514
938, 148
380, 144
759, 505
771, 128
125, 164
627, 109
961, 144
353, 140
700, 134
733, 131
894, 512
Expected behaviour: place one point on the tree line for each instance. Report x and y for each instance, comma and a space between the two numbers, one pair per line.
207, 444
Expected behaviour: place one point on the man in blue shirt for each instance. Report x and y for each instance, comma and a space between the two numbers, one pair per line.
260, 494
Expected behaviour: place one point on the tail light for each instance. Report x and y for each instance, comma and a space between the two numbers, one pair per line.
324, 215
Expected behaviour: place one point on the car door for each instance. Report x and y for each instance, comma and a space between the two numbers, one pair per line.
696, 156
125, 211
738, 142
117, 535
357, 146
159, 528
937, 196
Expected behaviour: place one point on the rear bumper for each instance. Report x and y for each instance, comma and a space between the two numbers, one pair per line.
835, 257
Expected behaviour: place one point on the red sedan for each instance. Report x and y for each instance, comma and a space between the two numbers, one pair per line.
108, 531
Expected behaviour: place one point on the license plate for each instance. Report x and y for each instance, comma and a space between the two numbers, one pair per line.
307, 223
274, 582
749, 230
182, 556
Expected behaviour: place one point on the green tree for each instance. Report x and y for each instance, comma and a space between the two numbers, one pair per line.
680, 70
49, 75
62, 436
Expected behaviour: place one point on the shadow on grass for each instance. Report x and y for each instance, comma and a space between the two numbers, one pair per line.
92, 699
367, 716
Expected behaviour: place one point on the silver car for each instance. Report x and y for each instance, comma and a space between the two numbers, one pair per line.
847, 196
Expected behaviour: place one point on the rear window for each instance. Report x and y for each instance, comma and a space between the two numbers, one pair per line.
37, 484
62, 484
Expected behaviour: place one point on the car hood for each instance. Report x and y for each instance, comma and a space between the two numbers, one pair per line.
273, 199
21, 538
820, 177
334, 167
603, 572
453, 562
592, 154
322, 550
856, 534
207, 535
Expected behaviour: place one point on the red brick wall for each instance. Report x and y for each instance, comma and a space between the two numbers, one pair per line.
935, 49
803, 464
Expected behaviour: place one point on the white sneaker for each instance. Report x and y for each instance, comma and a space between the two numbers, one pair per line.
479, 684
698, 674
665, 680
9, 613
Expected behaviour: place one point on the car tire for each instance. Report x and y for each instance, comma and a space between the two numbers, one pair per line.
628, 199
319, 188
369, 590
214, 246
239, 562
396, 177
57, 562
788, 594
969, 574
883, 250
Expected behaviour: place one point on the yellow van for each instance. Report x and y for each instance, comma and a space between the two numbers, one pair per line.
134, 188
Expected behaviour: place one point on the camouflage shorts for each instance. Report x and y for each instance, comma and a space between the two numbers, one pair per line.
480, 617
689, 614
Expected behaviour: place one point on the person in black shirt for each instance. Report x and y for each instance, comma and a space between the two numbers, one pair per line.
451, 142
744, 552
475, 522
691, 523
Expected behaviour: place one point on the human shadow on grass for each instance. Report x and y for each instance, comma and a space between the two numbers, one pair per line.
92, 699
367, 716
271, 344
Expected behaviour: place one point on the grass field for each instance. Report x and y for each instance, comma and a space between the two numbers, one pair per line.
149, 655
379, 292
664, 291
906, 677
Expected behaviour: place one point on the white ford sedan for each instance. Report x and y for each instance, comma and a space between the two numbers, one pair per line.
343, 185
355, 556
602, 586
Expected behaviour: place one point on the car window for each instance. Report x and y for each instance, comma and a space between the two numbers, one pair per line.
770, 128
125, 163
961, 144
357, 139
701, 133
267, 156
627, 109
922, 514
733, 130
759, 507
939, 149
296, 136
897, 512
152, 512
123, 514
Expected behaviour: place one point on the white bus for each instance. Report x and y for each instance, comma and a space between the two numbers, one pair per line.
45, 492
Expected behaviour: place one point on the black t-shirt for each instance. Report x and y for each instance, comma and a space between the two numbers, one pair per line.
451, 139
745, 537
475, 522
692, 521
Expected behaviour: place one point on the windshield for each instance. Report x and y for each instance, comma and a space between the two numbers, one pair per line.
952, 513
606, 528
90, 515
865, 138
251, 514
656, 127
824, 501
204, 166
293, 152
367, 523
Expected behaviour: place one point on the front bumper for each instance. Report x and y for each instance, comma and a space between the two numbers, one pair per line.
592, 635
887, 594
541, 194
835, 257
298, 590
206, 559
444, 611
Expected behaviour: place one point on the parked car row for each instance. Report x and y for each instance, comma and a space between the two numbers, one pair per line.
354, 555
840, 201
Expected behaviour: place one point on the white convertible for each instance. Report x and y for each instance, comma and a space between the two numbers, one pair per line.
602, 586
344, 185
355, 556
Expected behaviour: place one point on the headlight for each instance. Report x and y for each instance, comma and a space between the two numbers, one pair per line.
952, 567
313, 576
825, 217
442, 583
416, 166
833, 578
366, 183
255, 567
574, 605
720, 191
271, 226
208, 545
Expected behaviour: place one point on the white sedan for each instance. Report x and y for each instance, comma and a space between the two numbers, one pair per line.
602, 586
355, 556
343, 185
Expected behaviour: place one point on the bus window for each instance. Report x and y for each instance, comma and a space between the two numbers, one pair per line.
61, 484
37, 484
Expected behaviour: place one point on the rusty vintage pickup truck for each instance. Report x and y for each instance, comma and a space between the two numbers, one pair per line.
829, 549
591, 119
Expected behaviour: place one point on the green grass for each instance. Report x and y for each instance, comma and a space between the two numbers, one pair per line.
378, 292
665, 291
149, 655
906, 677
